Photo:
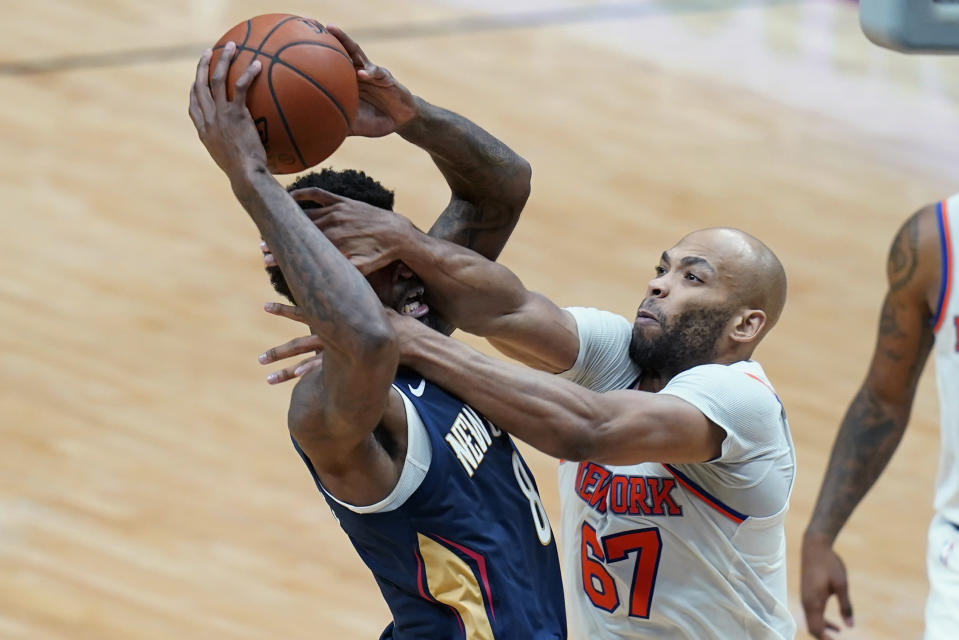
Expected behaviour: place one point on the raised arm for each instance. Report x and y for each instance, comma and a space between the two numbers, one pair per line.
489, 182
877, 417
335, 408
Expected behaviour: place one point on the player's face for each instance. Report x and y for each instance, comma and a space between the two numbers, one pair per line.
400, 289
685, 313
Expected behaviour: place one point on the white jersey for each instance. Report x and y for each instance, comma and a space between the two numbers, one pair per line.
693, 551
946, 325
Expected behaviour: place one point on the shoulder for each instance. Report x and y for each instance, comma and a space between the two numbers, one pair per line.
739, 399
590, 319
602, 362
913, 265
357, 465
728, 393
745, 374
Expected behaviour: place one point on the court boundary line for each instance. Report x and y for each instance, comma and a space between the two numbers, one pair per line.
401, 31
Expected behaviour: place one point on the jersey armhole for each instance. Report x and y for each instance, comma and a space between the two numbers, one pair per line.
419, 455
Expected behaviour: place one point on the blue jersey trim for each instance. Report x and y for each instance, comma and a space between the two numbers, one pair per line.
707, 497
944, 252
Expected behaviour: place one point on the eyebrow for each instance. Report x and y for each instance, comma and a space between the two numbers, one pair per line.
689, 261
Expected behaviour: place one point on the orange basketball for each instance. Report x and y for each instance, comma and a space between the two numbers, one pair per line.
305, 96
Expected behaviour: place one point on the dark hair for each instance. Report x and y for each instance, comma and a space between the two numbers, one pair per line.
348, 183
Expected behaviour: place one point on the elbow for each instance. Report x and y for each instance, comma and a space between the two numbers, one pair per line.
579, 441
521, 187
373, 341
378, 350
305, 417
378, 339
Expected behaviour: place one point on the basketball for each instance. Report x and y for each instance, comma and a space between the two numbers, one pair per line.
305, 96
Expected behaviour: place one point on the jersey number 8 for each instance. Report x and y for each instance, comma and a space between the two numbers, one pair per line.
543, 531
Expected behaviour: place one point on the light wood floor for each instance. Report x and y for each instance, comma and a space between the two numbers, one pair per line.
148, 489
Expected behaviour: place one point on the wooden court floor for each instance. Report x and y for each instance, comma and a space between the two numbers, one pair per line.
148, 489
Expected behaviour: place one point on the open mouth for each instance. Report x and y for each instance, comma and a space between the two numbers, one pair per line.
414, 306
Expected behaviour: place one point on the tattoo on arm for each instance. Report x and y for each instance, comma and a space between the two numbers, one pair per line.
904, 255
468, 225
869, 435
876, 420
330, 292
488, 180
866, 441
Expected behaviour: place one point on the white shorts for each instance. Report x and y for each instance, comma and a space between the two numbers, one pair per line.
942, 565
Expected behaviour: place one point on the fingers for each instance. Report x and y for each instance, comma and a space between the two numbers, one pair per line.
321, 197
218, 79
814, 606
196, 114
268, 258
356, 53
376, 75
319, 214
816, 622
816, 628
284, 311
244, 81
281, 376
845, 604
297, 371
295, 347
200, 92
364, 264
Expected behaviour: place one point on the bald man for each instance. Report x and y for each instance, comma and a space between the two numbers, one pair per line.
677, 462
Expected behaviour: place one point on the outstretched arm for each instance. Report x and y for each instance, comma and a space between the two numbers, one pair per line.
876, 420
335, 408
559, 417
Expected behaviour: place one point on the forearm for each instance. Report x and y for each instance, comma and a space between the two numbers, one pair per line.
335, 299
490, 183
551, 414
867, 439
469, 291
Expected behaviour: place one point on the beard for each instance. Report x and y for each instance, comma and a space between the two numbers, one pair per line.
690, 339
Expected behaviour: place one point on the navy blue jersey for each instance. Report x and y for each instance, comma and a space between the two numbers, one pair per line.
470, 554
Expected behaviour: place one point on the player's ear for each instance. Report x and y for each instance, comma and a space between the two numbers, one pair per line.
747, 325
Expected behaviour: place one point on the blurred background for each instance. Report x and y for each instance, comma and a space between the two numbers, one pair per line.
148, 488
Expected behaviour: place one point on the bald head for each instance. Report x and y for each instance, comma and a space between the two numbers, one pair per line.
748, 267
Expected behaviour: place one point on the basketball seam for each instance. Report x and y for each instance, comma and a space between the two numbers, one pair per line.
279, 111
257, 52
274, 60
308, 78
246, 36
269, 83
273, 30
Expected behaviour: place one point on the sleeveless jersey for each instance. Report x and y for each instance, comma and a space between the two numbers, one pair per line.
469, 555
692, 551
946, 326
